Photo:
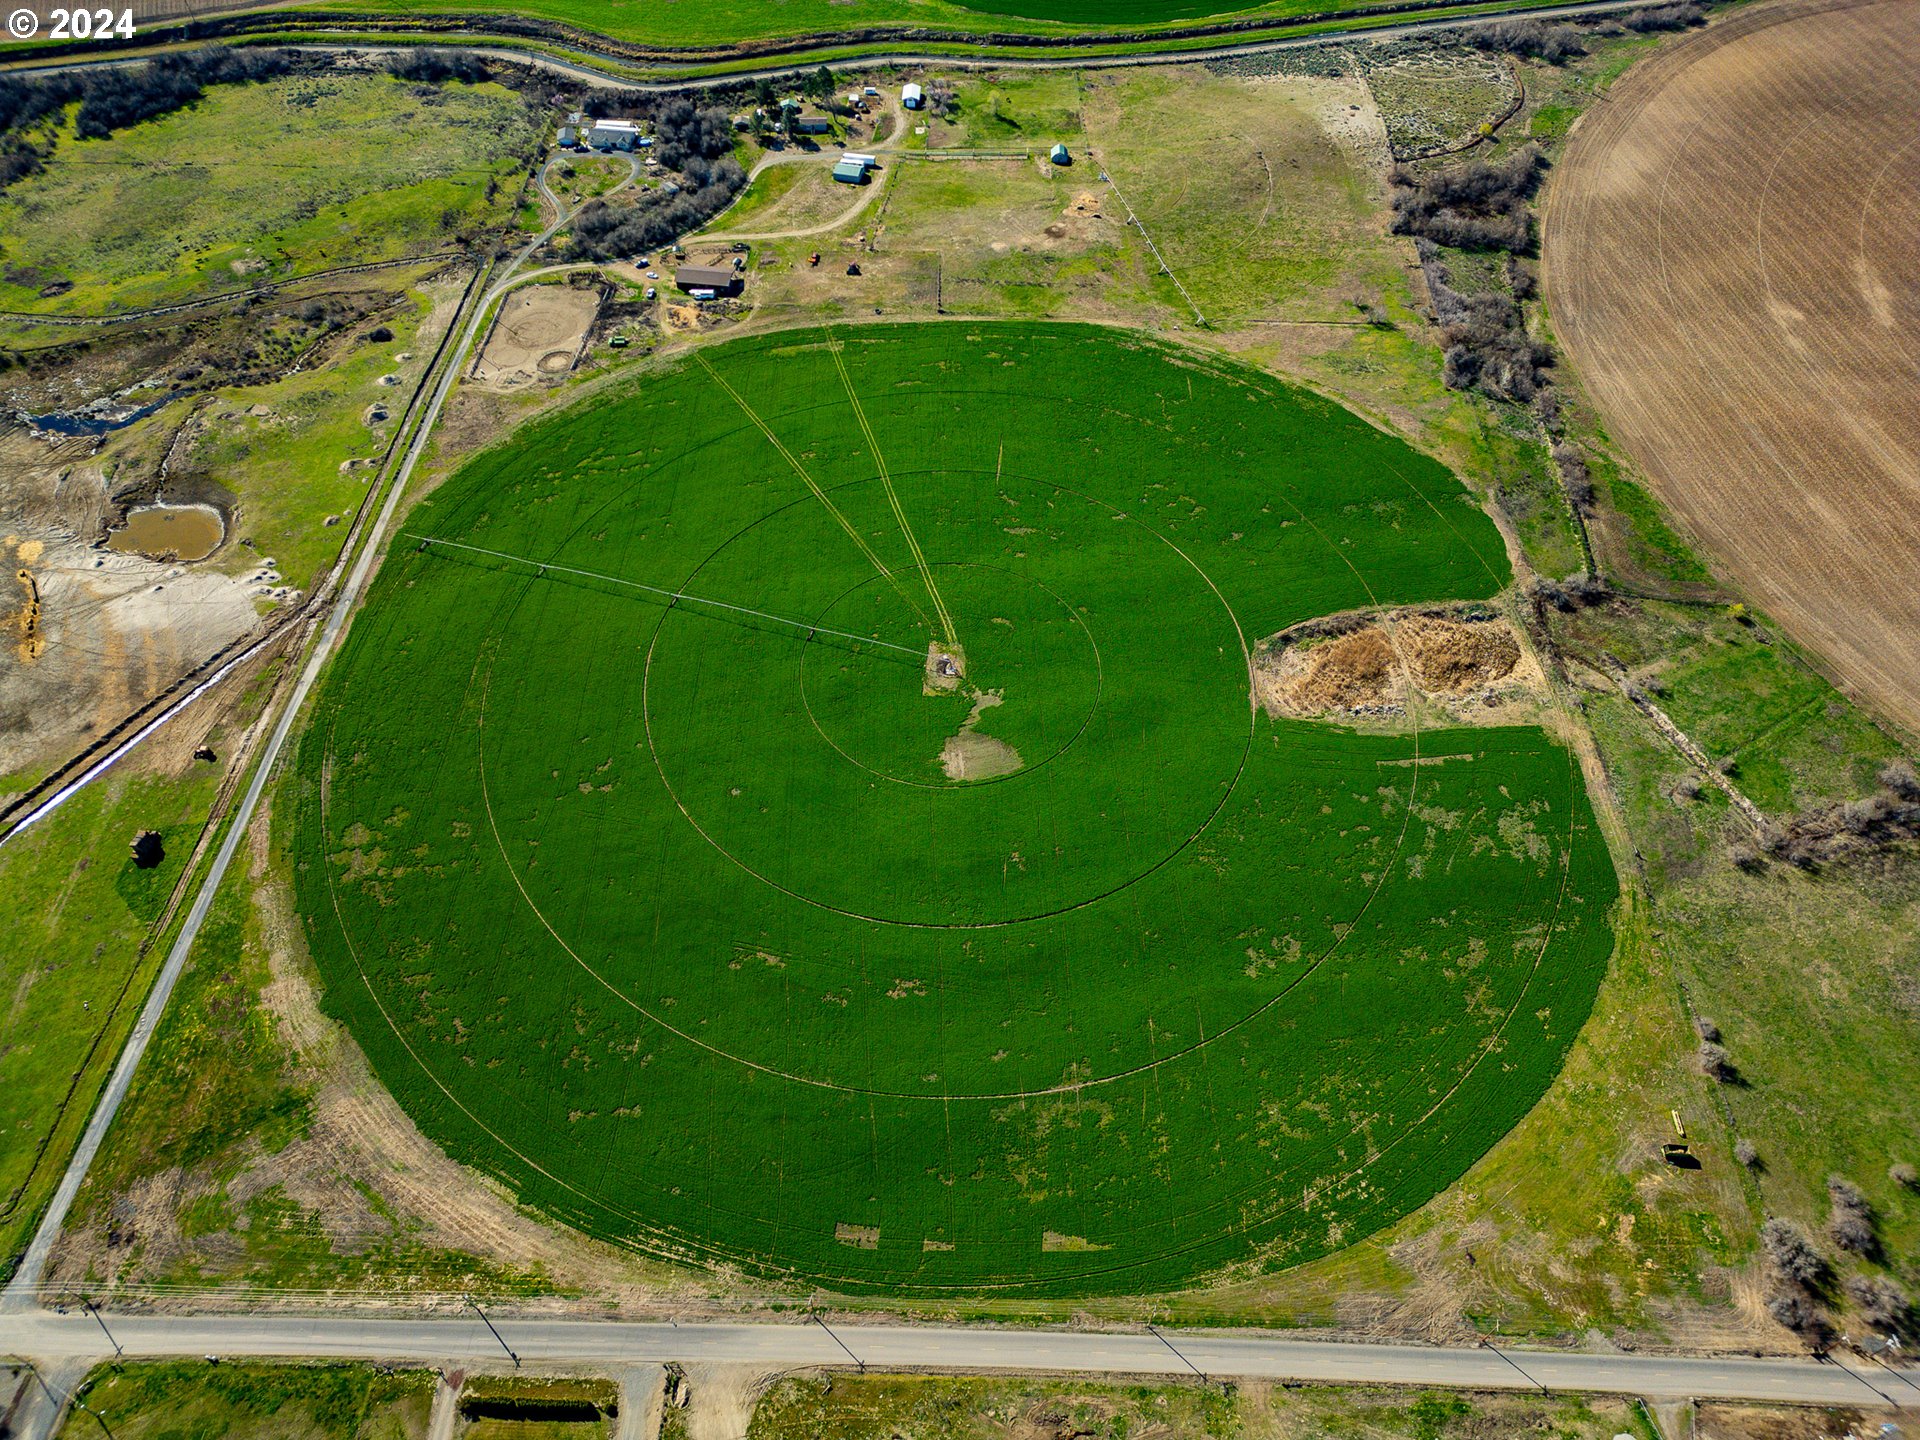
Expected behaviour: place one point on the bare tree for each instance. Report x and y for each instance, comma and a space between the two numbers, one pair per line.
1716, 1063
1880, 1301
1850, 1222
1792, 1254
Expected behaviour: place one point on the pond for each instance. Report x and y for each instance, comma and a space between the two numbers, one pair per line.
185, 532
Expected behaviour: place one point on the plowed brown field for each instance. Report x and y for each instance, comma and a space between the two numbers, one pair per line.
1733, 264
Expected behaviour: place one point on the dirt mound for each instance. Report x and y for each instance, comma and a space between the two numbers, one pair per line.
1364, 664
1343, 674
1450, 658
1086, 204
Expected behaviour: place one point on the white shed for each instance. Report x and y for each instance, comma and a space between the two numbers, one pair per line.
911, 97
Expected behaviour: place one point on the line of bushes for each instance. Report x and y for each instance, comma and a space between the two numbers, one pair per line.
114, 99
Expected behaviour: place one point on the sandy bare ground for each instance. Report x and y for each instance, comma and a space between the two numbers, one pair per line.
538, 335
112, 630
1731, 242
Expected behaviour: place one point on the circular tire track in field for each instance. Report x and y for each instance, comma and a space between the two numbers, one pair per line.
1730, 248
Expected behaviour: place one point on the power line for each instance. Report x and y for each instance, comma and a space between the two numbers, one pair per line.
812, 484
543, 566
893, 498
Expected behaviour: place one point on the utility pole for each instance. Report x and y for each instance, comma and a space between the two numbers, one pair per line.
94, 1310
1489, 1345
496, 1334
860, 1364
1154, 1331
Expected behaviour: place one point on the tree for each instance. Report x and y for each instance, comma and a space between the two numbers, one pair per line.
1715, 1062
764, 94
1850, 1222
1881, 1302
820, 84
1792, 1254
1794, 1310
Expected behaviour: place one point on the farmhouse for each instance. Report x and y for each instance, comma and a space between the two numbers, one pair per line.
569, 137
911, 96
813, 122
717, 278
613, 135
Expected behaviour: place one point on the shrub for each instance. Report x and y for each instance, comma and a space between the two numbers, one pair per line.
1747, 1153
1534, 39
116, 99
1715, 1062
431, 66
1850, 1221
1575, 475
379, 335
1706, 1028
1879, 1300
1664, 17
1791, 1253
602, 231
1904, 1175
1798, 1313
1478, 206
1898, 777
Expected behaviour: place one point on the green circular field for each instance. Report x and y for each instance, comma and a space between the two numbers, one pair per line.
805, 810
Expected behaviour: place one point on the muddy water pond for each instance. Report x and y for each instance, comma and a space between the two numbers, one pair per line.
185, 532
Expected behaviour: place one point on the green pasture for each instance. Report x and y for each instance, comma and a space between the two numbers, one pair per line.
709, 24
665, 911
191, 1400
261, 182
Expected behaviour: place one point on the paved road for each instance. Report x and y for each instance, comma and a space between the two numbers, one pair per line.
22, 1290
602, 1344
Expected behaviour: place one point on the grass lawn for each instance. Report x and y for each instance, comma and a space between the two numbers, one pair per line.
191, 1400
706, 24
281, 447
262, 182
1257, 210
75, 909
1077, 1090
880, 1407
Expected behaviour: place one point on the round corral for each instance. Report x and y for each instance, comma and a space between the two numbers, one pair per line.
1731, 242
807, 810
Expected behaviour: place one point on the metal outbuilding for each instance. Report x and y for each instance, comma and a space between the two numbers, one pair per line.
1059, 155
850, 172
721, 280
911, 96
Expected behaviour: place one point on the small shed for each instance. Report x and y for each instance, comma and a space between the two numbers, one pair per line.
911, 96
850, 172
1059, 155
720, 279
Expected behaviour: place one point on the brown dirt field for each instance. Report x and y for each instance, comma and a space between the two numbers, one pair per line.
538, 335
1731, 241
